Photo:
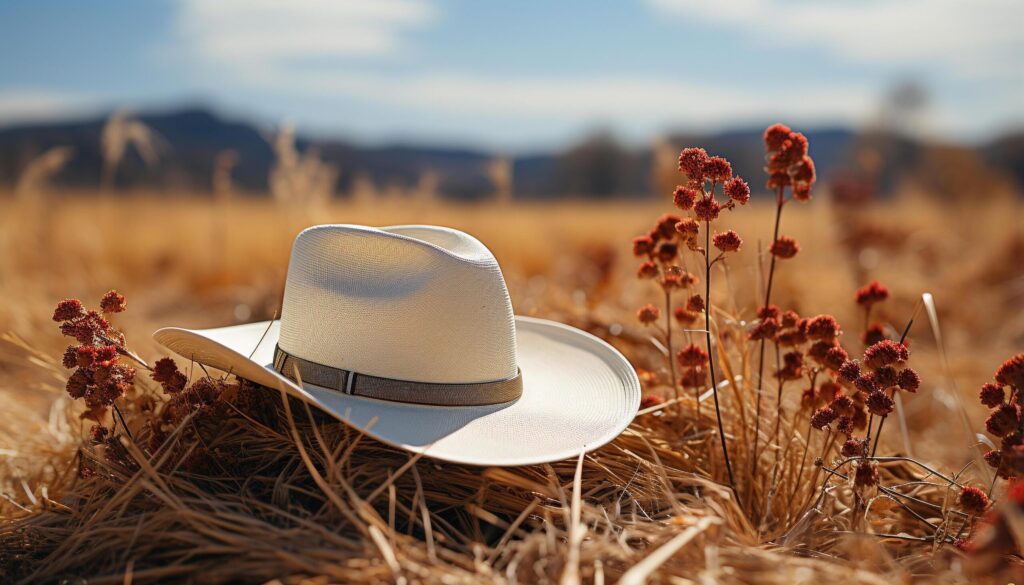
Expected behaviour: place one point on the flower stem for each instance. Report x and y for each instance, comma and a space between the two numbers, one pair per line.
760, 360
668, 344
711, 356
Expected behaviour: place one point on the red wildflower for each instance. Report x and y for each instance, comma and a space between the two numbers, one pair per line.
885, 376
78, 384
884, 353
871, 293
691, 162
768, 311
843, 405
717, 169
866, 383
1011, 372
909, 380
818, 350
973, 501
873, 334
692, 355
794, 336
824, 327
685, 317
684, 197
688, 228
666, 225
1003, 420
790, 318
802, 191
775, 135
643, 245
784, 247
766, 329
803, 172
693, 377
992, 395
845, 425
993, 458
671, 281
648, 314
667, 251
68, 309
835, 357
728, 241
707, 209
112, 302
165, 371
87, 328
738, 190
695, 304
647, 270
85, 356
823, 417
792, 367
70, 358
790, 153
778, 179
866, 474
880, 404
854, 448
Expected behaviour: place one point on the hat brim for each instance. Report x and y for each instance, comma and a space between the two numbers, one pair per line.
578, 394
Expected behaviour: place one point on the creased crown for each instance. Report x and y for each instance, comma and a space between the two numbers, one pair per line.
420, 303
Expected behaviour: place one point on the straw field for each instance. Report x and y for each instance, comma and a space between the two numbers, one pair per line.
238, 485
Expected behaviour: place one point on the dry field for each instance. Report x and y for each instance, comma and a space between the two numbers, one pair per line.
288, 498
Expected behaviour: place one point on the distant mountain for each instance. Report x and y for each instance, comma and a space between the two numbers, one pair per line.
598, 167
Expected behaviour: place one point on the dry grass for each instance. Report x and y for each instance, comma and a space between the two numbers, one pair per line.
297, 496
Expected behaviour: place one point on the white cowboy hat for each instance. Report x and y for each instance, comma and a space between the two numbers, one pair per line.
407, 332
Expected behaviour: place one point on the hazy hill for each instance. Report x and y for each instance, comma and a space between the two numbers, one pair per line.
597, 167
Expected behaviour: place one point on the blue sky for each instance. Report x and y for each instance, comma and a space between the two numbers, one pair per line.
519, 74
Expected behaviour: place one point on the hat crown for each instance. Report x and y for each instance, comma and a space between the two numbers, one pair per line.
417, 303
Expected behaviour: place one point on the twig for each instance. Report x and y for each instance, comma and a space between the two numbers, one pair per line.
711, 357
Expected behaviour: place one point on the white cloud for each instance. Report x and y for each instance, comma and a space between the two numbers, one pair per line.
621, 100
267, 33
976, 38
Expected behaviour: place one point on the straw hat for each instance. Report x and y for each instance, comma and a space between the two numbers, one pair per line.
407, 332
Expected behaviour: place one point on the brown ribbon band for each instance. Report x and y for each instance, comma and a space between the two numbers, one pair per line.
478, 394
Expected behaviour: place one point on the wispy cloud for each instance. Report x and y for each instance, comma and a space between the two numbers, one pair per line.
611, 99
269, 33
972, 39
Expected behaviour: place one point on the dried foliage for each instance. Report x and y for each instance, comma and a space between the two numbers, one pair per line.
209, 479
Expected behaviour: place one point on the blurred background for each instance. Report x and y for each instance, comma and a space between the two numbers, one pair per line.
173, 149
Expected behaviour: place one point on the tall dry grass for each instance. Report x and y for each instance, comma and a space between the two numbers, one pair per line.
304, 496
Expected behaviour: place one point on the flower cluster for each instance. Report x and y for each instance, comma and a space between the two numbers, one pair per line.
694, 362
1005, 419
788, 162
880, 374
867, 297
99, 377
704, 173
660, 250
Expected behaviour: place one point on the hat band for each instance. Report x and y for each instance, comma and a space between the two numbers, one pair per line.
347, 382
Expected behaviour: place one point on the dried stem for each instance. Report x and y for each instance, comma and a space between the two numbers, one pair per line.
668, 344
780, 200
711, 356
